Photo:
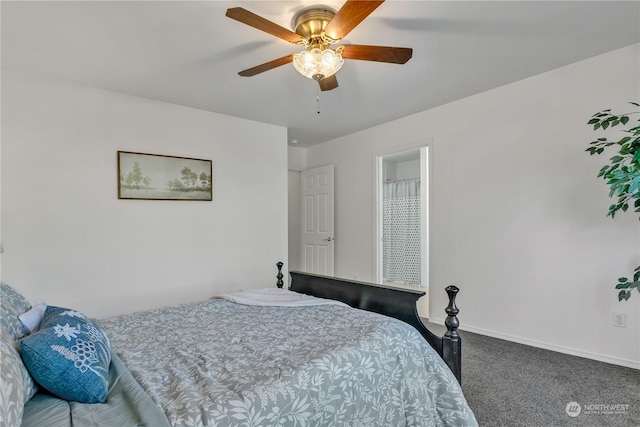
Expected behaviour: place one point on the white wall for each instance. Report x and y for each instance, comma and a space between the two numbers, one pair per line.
295, 222
408, 170
68, 239
297, 162
518, 217
297, 158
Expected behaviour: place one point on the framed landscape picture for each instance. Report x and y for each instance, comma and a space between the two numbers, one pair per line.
158, 177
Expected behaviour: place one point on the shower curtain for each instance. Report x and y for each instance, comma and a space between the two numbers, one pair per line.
401, 231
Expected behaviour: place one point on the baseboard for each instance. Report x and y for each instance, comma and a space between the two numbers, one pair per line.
547, 346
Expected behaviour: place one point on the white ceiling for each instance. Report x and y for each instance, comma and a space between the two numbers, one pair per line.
189, 53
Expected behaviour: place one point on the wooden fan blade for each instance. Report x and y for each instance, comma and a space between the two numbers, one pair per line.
349, 16
266, 66
328, 83
251, 19
394, 55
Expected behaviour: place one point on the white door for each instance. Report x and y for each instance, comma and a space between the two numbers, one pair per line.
317, 221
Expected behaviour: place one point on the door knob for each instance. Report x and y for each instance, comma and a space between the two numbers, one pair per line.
328, 239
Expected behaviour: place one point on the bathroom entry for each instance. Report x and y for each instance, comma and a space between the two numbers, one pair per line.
402, 217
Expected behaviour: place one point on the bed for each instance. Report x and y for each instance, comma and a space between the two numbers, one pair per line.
223, 363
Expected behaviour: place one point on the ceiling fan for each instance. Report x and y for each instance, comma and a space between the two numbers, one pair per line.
317, 29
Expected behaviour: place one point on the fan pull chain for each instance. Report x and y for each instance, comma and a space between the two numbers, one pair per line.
318, 97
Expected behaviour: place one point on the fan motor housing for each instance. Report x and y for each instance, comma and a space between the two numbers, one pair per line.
311, 23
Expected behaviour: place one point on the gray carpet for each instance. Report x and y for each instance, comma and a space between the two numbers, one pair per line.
510, 384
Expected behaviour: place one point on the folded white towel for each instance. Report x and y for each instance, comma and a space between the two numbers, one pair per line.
31, 319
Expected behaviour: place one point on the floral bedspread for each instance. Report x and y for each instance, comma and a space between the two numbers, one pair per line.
218, 363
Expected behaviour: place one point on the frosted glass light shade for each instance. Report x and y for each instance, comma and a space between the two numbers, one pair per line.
317, 64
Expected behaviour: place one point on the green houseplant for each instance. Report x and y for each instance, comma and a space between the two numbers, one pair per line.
622, 174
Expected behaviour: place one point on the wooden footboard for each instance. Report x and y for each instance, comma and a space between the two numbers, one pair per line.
390, 301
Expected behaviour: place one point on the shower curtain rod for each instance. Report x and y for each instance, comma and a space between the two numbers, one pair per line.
401, 180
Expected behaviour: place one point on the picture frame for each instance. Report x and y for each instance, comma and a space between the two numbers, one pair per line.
144, 176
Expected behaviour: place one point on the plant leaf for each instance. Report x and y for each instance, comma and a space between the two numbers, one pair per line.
623, 295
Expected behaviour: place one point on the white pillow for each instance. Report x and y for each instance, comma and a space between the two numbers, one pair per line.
31, 319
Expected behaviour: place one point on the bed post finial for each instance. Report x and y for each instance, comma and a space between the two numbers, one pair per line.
451, 321
451, 342
280, 283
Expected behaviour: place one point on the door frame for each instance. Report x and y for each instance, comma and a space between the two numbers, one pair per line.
426, 171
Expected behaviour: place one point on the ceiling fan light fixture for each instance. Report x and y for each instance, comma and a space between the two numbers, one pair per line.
317, 63
317, 28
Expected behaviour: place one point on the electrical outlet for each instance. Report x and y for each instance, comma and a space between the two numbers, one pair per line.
620, 320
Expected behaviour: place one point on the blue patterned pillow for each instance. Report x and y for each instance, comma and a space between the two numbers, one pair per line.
69, 356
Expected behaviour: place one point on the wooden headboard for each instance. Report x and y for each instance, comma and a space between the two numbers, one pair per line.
395, 302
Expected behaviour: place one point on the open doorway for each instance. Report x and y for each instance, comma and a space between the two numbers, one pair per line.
402, 218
